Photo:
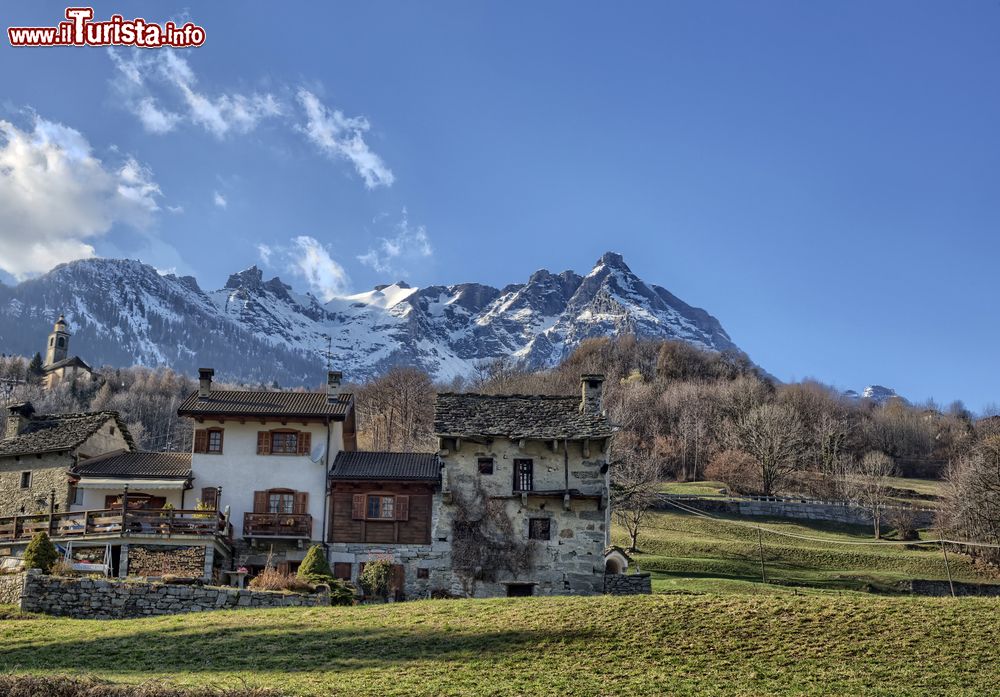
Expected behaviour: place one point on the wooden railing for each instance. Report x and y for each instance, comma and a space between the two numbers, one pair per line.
140, 521
277, 525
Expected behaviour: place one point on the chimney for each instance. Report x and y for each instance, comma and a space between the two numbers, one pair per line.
18, 416
333, 379
205, 381
592, 389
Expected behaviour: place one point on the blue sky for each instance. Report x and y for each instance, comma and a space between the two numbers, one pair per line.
822, 176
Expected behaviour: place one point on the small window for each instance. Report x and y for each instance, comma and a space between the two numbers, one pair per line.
520, 590
539, 528
523, 475
215, 441
62, 342
25, 480
486, 465
342, 570
111, 430
281, 502
75, 495
423, 573
284, 442
382, 507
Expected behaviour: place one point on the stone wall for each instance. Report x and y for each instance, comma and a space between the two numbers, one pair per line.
107, 599
159, 560
790, 508
47, 473
941, 588
11, 586
628, 584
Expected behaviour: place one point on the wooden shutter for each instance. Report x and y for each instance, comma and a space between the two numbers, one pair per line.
210, 497
358, 507
263, 442
305, 442
342, 570
301, 502
402, 508
260, 502
201, 440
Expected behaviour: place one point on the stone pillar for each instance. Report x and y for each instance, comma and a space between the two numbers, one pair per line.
209, 562
123, 562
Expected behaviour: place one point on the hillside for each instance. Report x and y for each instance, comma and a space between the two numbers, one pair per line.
690, 553
124, 312
653, 645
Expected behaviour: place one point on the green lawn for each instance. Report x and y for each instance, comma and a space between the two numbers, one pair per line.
652, 645
686, 552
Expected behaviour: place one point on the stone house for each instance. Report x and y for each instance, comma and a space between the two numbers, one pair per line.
526, 475
38, 451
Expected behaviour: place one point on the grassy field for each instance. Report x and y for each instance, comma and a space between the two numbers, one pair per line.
661, 644
690, 553
915, 492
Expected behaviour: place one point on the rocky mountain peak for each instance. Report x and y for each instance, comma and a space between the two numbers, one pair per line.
248, 279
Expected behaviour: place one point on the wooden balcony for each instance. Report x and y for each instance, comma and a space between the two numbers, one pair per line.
293, 526
111, 523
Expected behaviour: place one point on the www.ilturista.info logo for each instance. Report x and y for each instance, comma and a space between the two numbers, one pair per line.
80, 30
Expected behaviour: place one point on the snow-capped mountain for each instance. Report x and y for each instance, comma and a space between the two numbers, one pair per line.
123, 312
875, 393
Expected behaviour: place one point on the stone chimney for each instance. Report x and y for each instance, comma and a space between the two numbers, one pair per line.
205, 381
18, 416
333, 379
592, 397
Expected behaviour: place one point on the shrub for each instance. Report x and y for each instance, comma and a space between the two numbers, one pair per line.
270, 579
376, 578
341, 592
40, 553
62, 568
315, 568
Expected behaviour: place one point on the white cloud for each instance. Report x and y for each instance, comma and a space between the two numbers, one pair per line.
176, 210
57, 197
340, 136
312, 261
307, 258
219, 200
151, 78
407, 245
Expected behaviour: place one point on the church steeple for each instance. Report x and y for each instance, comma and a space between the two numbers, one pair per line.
58, 347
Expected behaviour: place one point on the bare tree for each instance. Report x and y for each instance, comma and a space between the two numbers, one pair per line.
773, 435
867, 483
971, 507
635, 479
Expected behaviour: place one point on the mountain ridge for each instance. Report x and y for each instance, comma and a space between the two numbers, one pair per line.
124, 312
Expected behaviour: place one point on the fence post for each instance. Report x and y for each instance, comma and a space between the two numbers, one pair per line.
947, 566
760, 545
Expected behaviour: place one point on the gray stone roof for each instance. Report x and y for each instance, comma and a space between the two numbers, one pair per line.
386, 466
73, 360
262, 403
516, 416
136, 465
49, 433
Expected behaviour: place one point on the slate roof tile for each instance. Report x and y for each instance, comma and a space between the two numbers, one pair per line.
516, 416
138, 465
386, 466
46, 433
262, 403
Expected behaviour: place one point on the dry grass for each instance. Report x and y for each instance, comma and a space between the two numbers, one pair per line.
66, 686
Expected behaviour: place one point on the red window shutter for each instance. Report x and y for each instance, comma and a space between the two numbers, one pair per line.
260, 502
301, 502
263, 442
402, 508
210, 497
305, 442
358, 507
201, 440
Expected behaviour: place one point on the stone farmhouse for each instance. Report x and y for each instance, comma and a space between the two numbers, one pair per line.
513, 502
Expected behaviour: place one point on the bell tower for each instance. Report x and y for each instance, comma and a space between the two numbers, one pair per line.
58, 347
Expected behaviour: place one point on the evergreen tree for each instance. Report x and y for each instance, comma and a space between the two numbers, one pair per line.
315, 568
40, 553
35, 368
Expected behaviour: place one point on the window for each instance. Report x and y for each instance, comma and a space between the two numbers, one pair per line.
423, 573
523, 475
75, 495
486, 465
280, 502
342, 570
539, 528
111, 430
520, 590
215, 440
210, 498
25, 480
382, 507
283, 442
62, 342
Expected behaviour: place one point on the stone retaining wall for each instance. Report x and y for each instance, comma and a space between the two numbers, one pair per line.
11, 586
160, 560
111, 599
802, 510
627, 584
941, 588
